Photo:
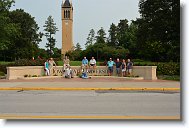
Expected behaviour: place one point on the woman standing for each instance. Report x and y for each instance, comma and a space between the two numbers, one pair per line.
123, 68
46, 68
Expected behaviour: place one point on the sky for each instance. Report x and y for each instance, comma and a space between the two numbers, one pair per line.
88, 14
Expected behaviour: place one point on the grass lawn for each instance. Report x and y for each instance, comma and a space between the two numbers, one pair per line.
73, 63
4, 63
166, 77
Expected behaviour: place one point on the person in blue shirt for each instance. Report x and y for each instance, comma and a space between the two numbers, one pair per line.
46, 68
84, 64
110, 65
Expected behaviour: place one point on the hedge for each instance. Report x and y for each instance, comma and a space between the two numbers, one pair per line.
22, 62
164, 68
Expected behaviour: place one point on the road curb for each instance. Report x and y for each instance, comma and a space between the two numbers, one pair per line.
88, 89
92, 117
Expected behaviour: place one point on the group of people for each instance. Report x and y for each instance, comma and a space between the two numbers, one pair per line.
123, 67
48, 66
68, 73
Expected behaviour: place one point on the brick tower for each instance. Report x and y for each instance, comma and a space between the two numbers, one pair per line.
67, 26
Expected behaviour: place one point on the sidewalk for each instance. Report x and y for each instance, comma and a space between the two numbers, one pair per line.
89, 84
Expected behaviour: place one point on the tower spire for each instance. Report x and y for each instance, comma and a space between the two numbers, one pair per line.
66, 3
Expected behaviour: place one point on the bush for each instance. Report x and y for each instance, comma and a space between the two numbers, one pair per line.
138, 60
25, 62
2, 73
103, 63
3, 68
22, 62
166, 68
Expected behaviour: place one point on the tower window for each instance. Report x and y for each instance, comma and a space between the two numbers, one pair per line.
66, 14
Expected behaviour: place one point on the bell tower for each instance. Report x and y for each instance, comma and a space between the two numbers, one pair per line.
67, 26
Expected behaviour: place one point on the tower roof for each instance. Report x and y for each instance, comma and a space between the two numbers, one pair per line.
67, 3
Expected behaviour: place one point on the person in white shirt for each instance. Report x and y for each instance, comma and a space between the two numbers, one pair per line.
92, 63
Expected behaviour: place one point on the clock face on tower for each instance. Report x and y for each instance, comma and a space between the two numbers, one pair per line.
66, 23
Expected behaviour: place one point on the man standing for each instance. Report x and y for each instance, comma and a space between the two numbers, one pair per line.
118, 67
110, 65
129, 67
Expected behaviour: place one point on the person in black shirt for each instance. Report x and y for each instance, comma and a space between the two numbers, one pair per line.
118, 66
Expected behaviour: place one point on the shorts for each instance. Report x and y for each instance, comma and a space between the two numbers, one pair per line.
123, 70
129, 71
118, 70
92, 64
110, 69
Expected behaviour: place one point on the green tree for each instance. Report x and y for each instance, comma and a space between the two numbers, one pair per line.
131, 37
101, 36
160, 23
113, 40
50, 29
122, 31
78, 47
90, 38
8, 30
5, 5
26, 44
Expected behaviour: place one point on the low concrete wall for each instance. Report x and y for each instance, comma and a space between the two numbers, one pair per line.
147, 72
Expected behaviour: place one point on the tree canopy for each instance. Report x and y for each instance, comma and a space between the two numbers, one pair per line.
50, 30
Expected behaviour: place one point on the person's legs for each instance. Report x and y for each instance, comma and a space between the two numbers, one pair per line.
71, 73
118, 71
108, 71
47, 73
111, 71
130, 71
50, 71
122, 73
65, 65
86, 66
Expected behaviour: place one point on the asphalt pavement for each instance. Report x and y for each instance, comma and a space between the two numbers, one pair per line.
89, 105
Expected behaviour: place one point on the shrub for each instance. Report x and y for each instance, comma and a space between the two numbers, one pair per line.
34, 76
2, 74
3, 69
103, 63
25, 62
25, 75
137, 60
166, 68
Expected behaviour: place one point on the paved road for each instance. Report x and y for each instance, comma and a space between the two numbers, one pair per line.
88, 103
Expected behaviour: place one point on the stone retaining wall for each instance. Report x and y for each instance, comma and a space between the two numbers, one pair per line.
147, 72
